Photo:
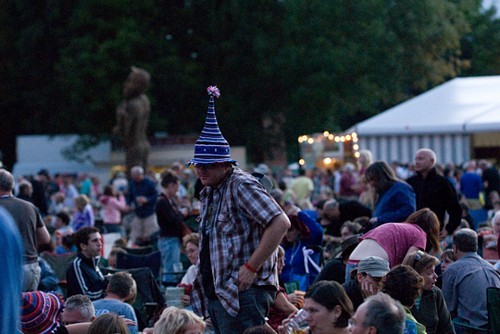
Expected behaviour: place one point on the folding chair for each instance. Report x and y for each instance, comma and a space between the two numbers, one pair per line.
131, 261
493, 306
150, 300
60, 264
144, 250
493, 300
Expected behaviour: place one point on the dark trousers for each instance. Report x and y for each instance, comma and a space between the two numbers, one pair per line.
254, 306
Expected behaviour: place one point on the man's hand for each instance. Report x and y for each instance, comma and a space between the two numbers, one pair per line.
368, 289
245, 278
185, 300
141, 200
292, 210
297, 299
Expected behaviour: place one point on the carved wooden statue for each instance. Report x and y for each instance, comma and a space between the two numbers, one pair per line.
133, 117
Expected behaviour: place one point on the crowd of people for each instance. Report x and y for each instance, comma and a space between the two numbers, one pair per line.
372, 248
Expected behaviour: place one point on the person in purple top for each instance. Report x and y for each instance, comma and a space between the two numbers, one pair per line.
393, 241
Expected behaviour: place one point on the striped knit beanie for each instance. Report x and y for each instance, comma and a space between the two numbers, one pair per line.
211, 147
40, 312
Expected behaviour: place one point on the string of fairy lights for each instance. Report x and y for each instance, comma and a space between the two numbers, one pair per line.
324, 139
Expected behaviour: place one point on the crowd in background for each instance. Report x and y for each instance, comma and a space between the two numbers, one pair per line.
333, 212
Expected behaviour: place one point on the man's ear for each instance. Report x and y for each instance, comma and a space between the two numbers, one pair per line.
372, 330
359, 277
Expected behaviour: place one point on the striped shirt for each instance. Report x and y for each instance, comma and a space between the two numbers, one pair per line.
241, 209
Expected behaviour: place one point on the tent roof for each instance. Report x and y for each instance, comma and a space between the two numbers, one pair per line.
459, 105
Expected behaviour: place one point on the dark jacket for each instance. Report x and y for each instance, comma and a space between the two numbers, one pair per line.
84, 277
438, 194
354, 292
146, 188
433, 313
169, 218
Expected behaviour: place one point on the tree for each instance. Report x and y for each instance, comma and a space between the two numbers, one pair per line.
285, 68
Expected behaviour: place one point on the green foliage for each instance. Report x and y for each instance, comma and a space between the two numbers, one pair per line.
285, 68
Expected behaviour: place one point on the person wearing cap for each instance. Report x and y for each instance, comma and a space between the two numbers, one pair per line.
241, 226
369, 275
41, 313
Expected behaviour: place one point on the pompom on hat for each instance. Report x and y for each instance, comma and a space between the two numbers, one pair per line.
211, 147
40, 312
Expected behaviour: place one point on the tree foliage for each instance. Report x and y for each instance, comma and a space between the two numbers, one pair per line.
285, 67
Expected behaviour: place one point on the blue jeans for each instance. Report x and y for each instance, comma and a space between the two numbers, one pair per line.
170, 248
254, 306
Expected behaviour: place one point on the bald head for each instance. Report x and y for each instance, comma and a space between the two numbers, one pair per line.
137, 173
425, 160
6, 182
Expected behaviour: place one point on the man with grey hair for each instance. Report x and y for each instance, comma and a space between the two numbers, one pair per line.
379, 314
78, 309
466, 280
142, 196
31, 227
435, 192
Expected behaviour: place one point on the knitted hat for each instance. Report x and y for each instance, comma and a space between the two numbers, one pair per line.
40, 312
211, 147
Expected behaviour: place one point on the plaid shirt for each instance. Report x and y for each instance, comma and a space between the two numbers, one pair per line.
241, 210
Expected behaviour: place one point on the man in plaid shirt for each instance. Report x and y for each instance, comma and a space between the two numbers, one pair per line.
241, 226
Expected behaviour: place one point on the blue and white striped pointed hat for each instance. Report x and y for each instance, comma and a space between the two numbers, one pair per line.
211, 147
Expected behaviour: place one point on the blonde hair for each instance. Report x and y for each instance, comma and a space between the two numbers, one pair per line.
174, 321
81, 201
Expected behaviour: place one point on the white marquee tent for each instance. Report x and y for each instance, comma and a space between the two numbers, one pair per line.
445, 119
